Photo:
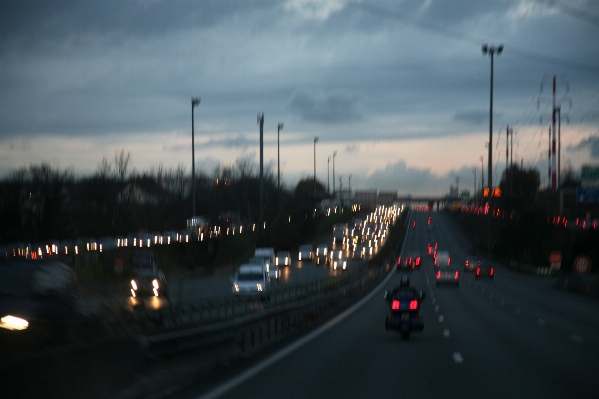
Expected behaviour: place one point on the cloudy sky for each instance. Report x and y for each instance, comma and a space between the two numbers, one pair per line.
398, 88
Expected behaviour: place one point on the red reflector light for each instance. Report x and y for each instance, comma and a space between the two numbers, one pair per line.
395, 305
448, 261
492, 271
478, 271
457, 274
413, 304
399, 260
438, 274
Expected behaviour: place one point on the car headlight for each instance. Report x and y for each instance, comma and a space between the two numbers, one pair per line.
259, 286
134, 285
155, 284
235, 287
13, 323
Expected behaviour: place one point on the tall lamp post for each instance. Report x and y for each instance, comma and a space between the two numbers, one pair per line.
491, 51
329, 175
195, 101
279, 127
315, 140
334, 155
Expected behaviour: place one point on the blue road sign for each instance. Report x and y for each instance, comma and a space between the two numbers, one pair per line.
587, 194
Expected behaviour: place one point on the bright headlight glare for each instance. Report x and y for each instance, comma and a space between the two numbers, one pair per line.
134, 285
259, 286
236, 287
13, 323
155, 284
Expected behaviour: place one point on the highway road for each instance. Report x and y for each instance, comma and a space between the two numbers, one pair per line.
511, 337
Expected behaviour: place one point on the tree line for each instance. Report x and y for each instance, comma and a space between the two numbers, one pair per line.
41, 202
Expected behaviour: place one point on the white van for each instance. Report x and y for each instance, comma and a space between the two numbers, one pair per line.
267, 254
251, 280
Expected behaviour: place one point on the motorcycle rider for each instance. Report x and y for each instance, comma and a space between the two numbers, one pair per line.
404, 289
404, 285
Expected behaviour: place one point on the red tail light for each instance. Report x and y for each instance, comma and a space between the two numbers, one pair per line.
438, 274
492, 271
436, 245
478, 271
399, 260
457, 274
418, 261
448, 261
395, 305
413, 304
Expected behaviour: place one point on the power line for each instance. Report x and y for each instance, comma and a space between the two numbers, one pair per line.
447, 32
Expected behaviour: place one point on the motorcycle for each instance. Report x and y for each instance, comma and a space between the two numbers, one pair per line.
404, 315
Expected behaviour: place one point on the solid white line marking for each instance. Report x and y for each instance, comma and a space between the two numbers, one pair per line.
440, 318
576, 338
457, 357
446, 333
239, 379
541, 322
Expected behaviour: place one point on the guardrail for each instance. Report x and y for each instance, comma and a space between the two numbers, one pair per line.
254, 325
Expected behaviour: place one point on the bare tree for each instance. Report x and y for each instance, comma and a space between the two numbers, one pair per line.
121, 164
104, 169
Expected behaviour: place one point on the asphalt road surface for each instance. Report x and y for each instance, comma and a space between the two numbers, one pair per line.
513, 337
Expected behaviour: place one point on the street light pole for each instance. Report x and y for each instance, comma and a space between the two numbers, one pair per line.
474, 172
329, 175
315, 140
491, 51
334, 155
279, 127
195, 101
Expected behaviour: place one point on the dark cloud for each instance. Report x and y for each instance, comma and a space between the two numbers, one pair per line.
331, 108
591, 144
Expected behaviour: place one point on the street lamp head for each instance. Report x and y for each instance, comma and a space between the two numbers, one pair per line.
195, 101
315, 139
485, 49
280, 126
499, 49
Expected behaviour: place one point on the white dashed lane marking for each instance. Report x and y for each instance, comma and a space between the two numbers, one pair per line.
446, 333
440, 318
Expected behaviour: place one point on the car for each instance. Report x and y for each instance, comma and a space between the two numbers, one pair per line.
147, 283
305, 252
272, 269
322, 254
431, 249
472, 262
283, 258
484, 270
413, 259
442, 258
251, 280
338, 259
447, 274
